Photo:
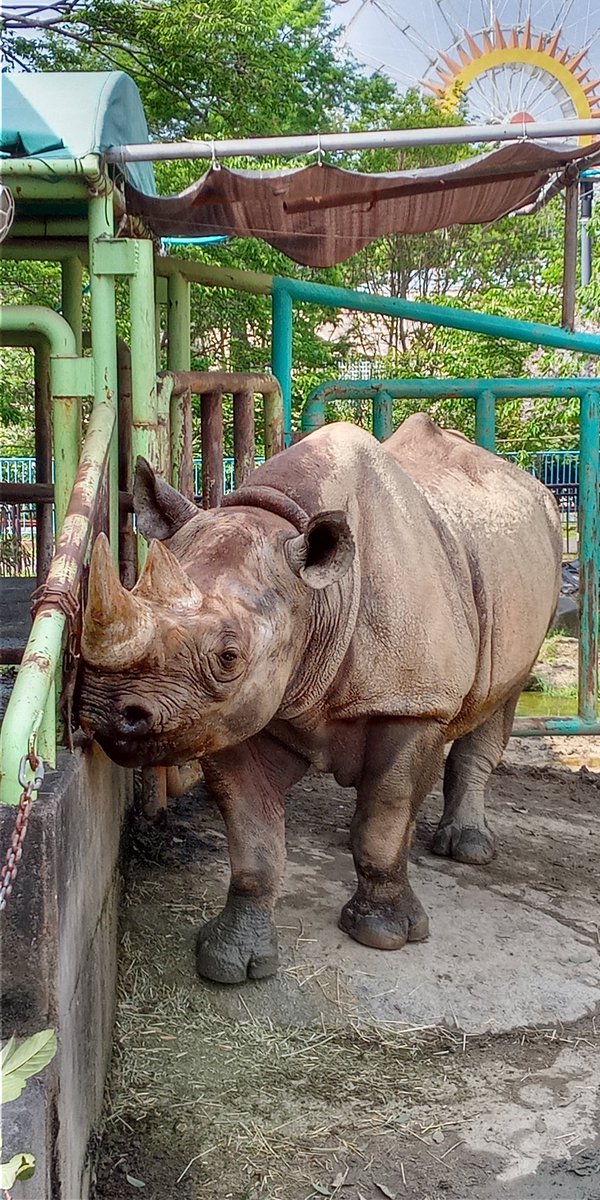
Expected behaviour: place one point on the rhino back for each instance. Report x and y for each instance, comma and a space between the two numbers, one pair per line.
509, 526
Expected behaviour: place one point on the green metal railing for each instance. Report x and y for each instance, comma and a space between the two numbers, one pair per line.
157, 433
487, 393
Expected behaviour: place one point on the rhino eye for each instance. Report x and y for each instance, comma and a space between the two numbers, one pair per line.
228, 658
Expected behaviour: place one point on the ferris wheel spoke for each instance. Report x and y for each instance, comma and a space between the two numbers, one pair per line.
564, 11
428, 30
409, 32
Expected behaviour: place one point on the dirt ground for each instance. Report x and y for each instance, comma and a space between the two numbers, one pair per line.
464, 1067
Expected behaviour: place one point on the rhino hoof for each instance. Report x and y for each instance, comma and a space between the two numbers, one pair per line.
385, 929
466, 844
239, 944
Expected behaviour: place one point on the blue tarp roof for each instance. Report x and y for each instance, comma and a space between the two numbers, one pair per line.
54, 115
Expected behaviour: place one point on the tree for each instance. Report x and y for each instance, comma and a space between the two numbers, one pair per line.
234, 68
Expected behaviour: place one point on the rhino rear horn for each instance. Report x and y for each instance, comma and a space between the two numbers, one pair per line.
164, 580
159, 508
117, 627
324, 553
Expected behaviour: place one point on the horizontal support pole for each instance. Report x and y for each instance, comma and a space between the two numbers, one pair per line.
257, 283
88, 169
50, 227
226, 382
438, 314
441, 389
11, 658
276, 147
554, 727
47, 250
15, 492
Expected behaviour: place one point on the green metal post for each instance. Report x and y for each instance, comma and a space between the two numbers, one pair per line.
104, 346
145, 433
485, 420
589, 554
66, 410
383, 427
178, 359
281, 350
71, 284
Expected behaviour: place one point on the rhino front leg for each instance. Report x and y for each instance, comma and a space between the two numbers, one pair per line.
402, 761
463, 832
248, 783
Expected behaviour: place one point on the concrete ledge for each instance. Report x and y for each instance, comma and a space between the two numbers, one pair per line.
58, 964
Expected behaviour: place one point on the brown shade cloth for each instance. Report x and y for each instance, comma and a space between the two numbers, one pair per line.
321, 215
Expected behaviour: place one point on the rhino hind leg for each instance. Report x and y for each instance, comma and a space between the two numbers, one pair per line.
463, 832
402, 762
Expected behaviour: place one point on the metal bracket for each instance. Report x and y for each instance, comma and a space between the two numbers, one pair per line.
72, 376
114, 256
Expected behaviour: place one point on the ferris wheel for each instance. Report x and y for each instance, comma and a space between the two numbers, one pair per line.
502, 60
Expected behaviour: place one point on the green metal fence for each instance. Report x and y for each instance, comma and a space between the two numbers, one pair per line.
486, 393
155, 427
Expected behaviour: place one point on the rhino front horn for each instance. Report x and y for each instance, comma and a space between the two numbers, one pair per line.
117, 626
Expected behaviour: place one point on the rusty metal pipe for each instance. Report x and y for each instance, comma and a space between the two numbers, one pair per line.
243, 435
211, 419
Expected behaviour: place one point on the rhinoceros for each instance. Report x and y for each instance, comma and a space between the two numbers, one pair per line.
353, 607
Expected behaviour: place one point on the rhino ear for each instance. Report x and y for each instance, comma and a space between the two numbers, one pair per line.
159, 508
324, 553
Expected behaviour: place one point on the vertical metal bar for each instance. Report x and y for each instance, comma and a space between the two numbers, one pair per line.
66, 420
104, 345
587, 196
589, 554
178, 359
46, 740
282, 351
211, 434
71, 295
485, 420
178, 324
570, 255
154, 793
243, 436
182, 458
382, 416
43, 457
144, 403
127, 549
164, 392
274, 423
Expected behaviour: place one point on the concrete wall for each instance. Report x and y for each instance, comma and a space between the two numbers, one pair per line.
58, 964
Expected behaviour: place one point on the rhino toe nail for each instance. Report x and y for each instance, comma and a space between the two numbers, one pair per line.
464, 844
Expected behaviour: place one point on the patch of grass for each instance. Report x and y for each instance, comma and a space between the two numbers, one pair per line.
551, 646
545, 688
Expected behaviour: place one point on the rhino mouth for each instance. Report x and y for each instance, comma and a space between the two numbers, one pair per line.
128, 752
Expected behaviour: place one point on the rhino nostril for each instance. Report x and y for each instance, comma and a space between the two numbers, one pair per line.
136, 719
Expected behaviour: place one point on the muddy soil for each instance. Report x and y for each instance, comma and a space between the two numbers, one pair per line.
467, 1067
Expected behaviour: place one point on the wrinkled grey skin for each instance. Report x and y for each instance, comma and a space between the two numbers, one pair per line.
406, 614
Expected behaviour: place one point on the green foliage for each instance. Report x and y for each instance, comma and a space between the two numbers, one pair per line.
227, 68
20, 1167
18, 1062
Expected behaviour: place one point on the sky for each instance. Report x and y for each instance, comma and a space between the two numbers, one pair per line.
404, 38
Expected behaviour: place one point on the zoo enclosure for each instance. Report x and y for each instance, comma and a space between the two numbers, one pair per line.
135, 412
